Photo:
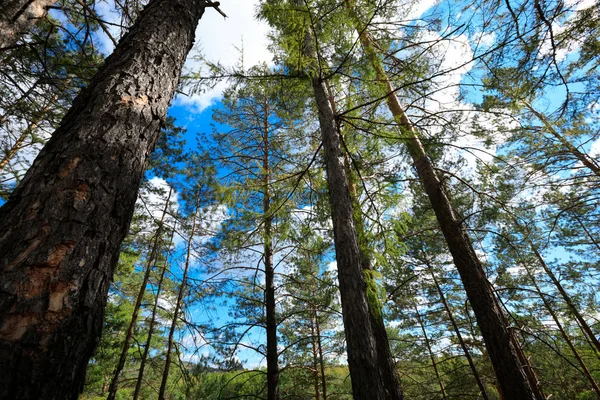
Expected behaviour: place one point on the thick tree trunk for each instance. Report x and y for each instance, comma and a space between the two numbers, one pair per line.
170, 344
138, 384
502, 346
367, 382
385, 360
112, 390
62, 228
271, 323
17, 17
459, 336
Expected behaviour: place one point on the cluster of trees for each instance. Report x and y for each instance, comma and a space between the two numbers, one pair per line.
405, 204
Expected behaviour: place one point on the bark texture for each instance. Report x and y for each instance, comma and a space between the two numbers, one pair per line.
385, 360
61, 230
361, 346
17, 17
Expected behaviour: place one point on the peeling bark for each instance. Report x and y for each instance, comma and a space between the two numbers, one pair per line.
62, 228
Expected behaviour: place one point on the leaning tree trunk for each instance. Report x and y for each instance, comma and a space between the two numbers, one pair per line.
503, 348
17, 17
62, 228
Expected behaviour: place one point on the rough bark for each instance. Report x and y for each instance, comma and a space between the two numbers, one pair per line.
112, 390
367, 383
170, 343
17, 17
62, 228
503, 348
385, 360
138, 384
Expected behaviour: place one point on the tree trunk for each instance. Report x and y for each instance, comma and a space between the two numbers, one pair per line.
585, 159
501, 345
271, 323
565, 335
367, 379
315, 355
163, 384
367, 382
62, 228
138, 384
112, 390
321, 359
17, 17
18, 144
585, 327
430, 351
462, 343
385, 360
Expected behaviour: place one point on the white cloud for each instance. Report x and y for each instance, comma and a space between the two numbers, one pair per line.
222, 40
595, 149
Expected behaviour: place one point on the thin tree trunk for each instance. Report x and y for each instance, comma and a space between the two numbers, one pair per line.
18, 144
586, 160
321, 359
17, 17
271, 323
565, 335
138, 384
462, 343
315, 356
502, 346
566, 297
163, 384
62, 228
112, 390
431, 355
